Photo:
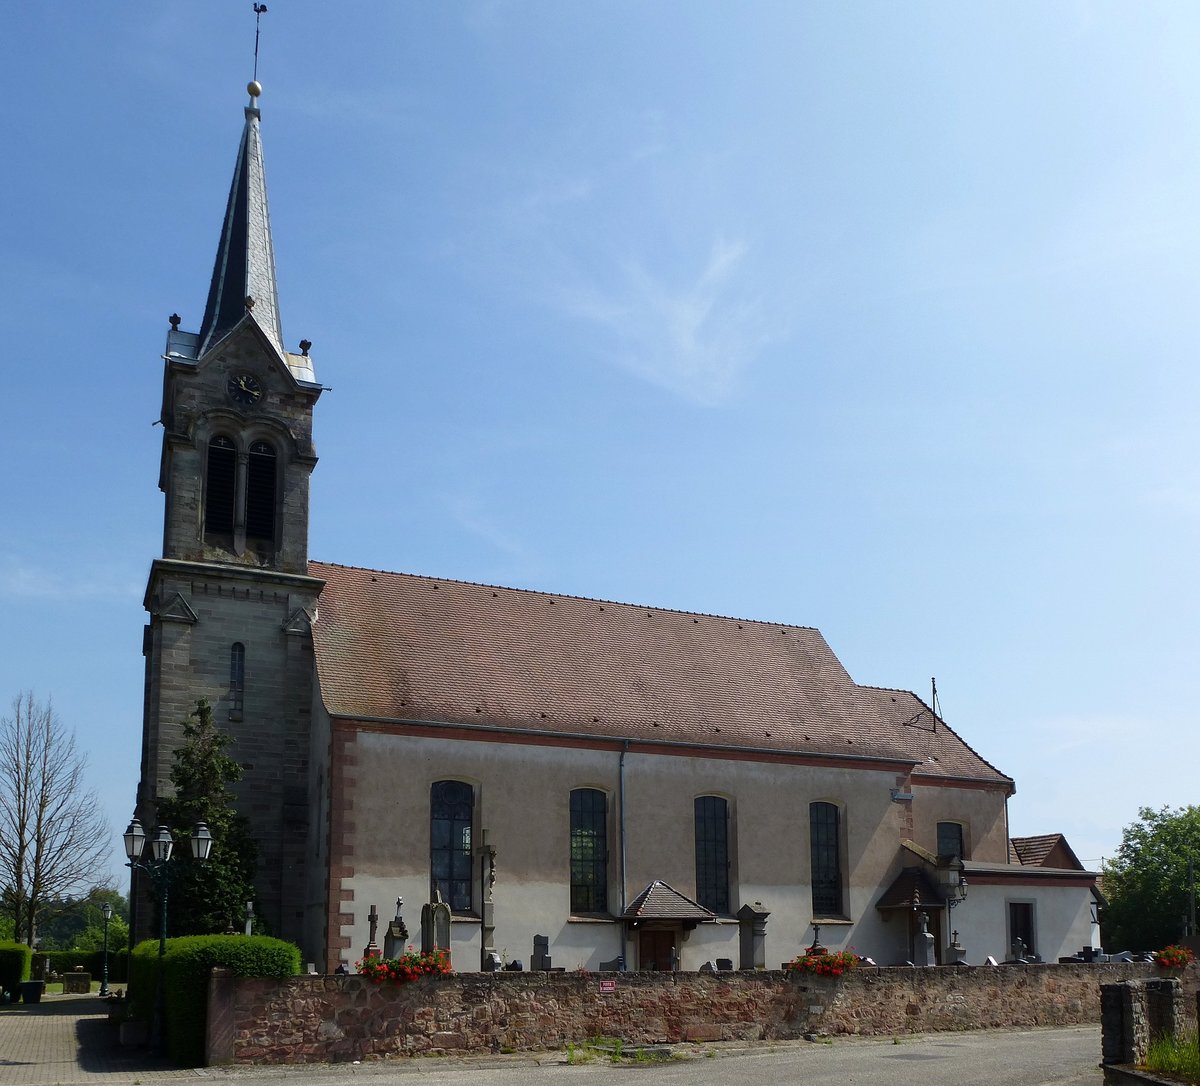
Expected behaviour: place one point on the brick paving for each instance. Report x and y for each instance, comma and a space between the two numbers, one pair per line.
68, 1039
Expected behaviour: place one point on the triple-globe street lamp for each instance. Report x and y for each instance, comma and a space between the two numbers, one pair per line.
157, 865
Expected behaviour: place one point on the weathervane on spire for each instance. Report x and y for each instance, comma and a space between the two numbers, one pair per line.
259, 11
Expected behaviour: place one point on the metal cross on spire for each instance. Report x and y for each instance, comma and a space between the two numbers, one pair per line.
259, 11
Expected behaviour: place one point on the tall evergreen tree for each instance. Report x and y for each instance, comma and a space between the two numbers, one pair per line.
209, 897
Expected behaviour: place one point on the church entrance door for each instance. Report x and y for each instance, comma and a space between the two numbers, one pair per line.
656, 950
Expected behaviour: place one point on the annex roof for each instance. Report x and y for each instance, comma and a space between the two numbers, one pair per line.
662, 902
1044, 850
404, 648
912, 888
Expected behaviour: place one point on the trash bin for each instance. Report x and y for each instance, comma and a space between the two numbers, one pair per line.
31, 990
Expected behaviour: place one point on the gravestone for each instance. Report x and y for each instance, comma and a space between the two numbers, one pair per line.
435, 924
395, 939
540, 959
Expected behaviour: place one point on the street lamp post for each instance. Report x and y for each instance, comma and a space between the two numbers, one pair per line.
158, 867
106, 910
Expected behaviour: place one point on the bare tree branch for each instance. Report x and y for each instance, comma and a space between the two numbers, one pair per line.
52, 836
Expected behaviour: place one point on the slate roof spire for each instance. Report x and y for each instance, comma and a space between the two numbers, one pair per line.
245, 264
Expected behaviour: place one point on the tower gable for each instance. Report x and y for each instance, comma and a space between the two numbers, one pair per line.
237, 453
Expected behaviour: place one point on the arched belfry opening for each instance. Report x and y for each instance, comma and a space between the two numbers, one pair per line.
261, 479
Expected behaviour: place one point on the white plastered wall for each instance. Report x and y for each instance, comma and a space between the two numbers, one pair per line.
522, 795
1062, 917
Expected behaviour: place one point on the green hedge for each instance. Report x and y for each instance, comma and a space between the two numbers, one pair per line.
91, 961
15, 960
187, 965
143, 979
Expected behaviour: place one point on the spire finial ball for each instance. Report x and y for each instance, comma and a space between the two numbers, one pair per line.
254, 87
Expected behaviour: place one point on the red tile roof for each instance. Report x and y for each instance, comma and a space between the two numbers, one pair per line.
1036, 851
911, 887
662, 902
398, 647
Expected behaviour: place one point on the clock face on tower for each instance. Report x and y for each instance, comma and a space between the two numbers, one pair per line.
244, 389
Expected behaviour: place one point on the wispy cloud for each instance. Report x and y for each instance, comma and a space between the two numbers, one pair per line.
1066, 735
1178, 498
651, 271
20, 579
693, 337
468, 513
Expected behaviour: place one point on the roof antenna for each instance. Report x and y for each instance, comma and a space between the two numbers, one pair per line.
259, 11
933, 702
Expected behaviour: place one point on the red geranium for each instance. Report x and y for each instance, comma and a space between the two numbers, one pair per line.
831, 964
411, 965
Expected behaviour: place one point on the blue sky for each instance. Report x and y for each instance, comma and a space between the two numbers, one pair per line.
878, 318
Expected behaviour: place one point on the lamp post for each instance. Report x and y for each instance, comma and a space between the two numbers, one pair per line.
106, 911
158, 867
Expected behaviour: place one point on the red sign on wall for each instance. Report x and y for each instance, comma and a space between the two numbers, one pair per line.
608, 986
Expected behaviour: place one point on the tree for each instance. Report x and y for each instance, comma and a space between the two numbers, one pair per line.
53, 839
92, 937
62, 922
1146, 884
209, 897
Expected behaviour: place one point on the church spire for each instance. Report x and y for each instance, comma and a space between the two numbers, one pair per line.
243, 277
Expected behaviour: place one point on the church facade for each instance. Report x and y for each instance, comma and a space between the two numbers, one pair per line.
641, 787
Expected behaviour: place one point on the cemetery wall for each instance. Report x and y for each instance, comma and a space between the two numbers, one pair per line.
340, 1018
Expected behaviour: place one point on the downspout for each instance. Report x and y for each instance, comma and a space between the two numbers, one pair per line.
621, 839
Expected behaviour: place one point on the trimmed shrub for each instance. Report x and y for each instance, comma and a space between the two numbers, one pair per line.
187, 965
143, 980
15, 961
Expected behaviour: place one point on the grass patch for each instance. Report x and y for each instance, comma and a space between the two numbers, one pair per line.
1177, 1054
614, 1050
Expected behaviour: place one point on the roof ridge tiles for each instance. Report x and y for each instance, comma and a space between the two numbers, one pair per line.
941, 720
894, 690
573, 596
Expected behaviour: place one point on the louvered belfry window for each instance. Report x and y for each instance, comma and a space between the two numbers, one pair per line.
826, 859
451, 810
589, 851
260, 492
220, 486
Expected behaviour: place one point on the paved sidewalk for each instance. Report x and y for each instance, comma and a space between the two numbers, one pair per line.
68, 1039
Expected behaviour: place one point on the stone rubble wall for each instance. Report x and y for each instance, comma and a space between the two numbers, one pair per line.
340, 1018
1135, 1012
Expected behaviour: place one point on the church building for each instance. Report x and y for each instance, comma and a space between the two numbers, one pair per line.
644, 788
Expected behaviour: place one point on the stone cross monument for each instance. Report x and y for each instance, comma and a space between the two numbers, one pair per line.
371, 950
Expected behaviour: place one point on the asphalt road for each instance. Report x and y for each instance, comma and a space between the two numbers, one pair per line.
1063, 1057
67, 1041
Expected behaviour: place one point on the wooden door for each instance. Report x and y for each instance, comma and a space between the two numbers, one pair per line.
656, 950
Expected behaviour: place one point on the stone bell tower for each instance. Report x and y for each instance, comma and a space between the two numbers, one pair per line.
230, 601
